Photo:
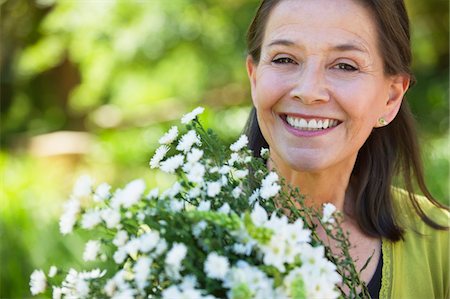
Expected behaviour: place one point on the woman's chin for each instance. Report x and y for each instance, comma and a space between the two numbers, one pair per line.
303, 163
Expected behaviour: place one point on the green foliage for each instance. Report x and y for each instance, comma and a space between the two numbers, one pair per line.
437, 167
134, 56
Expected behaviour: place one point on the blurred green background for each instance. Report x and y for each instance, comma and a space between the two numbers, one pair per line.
89, 87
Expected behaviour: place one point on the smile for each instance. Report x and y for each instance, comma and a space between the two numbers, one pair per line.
311, 124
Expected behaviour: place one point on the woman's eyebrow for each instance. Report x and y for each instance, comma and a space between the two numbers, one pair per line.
350, 47
338, 48
282, 42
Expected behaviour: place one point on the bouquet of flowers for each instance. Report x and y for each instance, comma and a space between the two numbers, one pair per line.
227, 228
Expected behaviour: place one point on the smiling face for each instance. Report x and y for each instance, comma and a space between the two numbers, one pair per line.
319, 87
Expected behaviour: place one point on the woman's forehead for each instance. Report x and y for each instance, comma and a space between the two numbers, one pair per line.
328, 19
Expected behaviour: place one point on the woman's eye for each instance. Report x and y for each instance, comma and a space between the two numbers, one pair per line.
283, 60
345, 67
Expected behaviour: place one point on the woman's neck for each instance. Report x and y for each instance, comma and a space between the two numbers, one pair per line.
330, 185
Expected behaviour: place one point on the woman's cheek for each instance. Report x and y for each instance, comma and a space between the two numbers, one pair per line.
269, 91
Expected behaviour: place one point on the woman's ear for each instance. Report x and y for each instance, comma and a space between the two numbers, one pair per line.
251, 72
399, 86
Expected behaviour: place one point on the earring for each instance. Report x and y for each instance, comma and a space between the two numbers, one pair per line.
382, 121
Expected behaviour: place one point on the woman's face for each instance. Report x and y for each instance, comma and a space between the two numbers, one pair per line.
319, 87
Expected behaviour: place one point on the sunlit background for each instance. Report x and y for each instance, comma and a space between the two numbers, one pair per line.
89, 86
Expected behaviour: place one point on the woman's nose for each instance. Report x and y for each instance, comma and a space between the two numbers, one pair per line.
310, 85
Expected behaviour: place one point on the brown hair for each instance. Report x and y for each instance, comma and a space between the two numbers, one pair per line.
389, 151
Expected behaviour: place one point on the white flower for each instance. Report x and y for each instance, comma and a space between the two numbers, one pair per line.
74, 285
90, 219
185, 290
83, 186
118, 288
225, 208
102, 192
170, 136
158, 156
253, 197
187, 118
69, 217
174, 258
52, 271
245, 249
189, 282
148, 241
198, 228
111, 217
194, 192
286, 244
176, 205
236, 192
91, 250
171, 292
239, 144
258, 215
126, 293
216, 266
240, 174
81, 288
225, 169
271, 178
140, 216
213, 188
38, 282
121, 238
132, 247
110, 287
319, 272
269, 186
172, 163
223, 180
187, 141
141, 272
250, 277
56, 293
93, 274
130, 195
160, 248
328, 210
120, 255
274, 252
204, 206
153, 193
196, 173
234, 157
264, 153
269, 191
176, 254
194, 155
292, 281
172, 191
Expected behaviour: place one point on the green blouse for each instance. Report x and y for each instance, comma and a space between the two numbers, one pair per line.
418, 266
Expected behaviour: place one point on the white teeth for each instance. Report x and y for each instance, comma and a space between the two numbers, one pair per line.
312, 124
302, 123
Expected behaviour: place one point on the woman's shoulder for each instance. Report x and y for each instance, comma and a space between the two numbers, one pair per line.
417, 265
408, 216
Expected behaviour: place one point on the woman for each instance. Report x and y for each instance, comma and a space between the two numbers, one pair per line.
328, 79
